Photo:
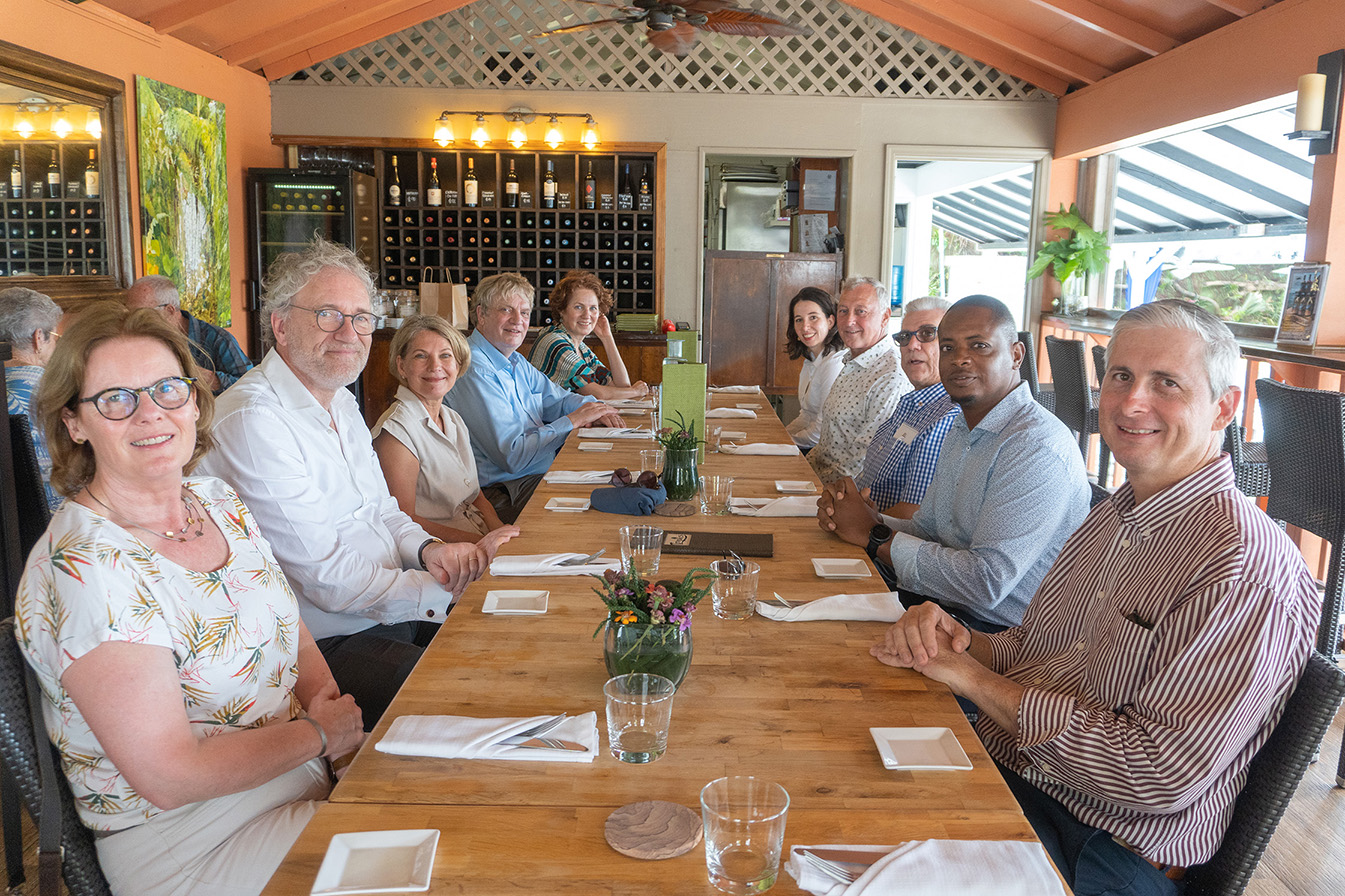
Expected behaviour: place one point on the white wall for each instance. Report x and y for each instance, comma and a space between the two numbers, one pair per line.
694, 123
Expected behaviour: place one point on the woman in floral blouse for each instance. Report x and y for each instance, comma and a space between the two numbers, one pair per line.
580, 304
193, 713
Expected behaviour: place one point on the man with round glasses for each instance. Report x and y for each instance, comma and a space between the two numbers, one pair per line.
214, 349
372, 584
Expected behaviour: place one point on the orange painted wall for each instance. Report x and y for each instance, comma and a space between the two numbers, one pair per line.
96, 38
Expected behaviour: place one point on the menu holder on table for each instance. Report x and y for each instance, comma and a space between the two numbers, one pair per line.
720, 544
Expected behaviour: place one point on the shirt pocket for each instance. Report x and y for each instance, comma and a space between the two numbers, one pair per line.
1119, 660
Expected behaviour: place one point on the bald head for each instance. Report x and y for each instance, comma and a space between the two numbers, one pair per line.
155, 292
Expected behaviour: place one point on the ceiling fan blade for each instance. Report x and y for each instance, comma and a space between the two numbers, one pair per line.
751, 24
678, 40
586, 25
623, 7
705, 6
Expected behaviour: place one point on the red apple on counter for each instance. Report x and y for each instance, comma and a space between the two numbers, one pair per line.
668, 326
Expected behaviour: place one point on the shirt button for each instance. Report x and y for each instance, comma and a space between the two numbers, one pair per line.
1078, 645
429, 614
1125, 542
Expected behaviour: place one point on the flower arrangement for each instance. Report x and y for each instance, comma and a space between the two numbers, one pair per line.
680, 437
631, 599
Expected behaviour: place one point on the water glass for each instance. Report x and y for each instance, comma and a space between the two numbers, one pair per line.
744, 821
734, 590
639, 713
715, 494
651, 459
641, 547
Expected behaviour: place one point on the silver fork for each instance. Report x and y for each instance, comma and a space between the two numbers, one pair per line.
583, 561
831, 869
788, 604
540, 728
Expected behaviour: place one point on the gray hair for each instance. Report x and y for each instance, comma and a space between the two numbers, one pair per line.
24, 312
927, 303
879, 288
292, 271
157, 286
494, 290
1220, 354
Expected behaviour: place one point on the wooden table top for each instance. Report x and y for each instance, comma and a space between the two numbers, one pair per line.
791, 702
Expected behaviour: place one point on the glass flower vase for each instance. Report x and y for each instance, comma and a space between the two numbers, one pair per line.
656, 649
679, 474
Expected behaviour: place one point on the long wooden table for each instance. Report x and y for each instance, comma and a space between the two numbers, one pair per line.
791, 702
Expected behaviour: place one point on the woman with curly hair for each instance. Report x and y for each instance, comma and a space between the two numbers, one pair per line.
580, 304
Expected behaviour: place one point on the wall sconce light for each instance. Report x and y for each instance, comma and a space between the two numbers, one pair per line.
60, 124
94, 124
38, 116
518, 118
23, 123
1317, 113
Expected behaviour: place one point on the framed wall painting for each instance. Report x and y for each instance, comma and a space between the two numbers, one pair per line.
184, 195
1302, 304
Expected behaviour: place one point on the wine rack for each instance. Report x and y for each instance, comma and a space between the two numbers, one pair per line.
43, 236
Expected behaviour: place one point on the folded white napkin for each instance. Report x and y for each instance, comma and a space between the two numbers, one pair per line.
612, 432
870, 607
940, 867
796, 506
464, 737
759, 448
576, 477
731, 412
737, 389
547, 565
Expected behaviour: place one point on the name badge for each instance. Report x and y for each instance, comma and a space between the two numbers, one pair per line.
905, 434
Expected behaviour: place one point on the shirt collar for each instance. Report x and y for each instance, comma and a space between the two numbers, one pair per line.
483, 350
1176, 499
293, 394
922, 397
1004, 413
874, 354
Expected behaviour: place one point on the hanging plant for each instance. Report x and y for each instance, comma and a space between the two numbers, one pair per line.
1084, 250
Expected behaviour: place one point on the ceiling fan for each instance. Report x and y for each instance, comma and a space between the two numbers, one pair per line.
674, 27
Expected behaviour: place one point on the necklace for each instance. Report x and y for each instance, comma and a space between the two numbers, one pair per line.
182, 535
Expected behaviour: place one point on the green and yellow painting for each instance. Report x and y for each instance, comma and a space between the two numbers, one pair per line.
184, 195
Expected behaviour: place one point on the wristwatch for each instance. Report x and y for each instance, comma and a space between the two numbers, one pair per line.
878, 535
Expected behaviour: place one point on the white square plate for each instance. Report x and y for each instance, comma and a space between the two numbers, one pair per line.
568, 505
595, 446
920, 748
730, 435
839, 568
377, 862
795, 487
515, 603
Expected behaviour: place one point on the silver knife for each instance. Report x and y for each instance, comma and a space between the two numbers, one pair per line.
542, 743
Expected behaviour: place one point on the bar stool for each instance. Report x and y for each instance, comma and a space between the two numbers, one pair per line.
1075, 402
1305, 447
1043, 395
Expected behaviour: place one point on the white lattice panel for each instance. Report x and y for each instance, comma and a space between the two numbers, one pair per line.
489, 44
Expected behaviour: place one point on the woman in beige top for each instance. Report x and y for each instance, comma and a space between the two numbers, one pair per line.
423, 446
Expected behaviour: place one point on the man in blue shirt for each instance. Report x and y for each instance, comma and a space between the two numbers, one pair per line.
213, 348
517, 417
28, 321
1009, 487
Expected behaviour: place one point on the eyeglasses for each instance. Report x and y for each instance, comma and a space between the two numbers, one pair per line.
927, 333
330, 320
120, 402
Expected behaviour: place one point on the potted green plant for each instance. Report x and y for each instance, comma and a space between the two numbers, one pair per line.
1072, 257
648, 625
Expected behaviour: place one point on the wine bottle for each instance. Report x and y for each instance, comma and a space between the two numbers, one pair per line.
434, 195
624, 199
470, 193
590, 188
548, 187
511, 187
395, 187
644, 181
91, 177
16, 178
53, 177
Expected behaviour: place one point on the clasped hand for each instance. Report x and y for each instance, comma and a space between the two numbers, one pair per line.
455, 565
847, 511
927, 640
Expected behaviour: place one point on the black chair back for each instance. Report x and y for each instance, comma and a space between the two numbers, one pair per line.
1271, 780
34, 514
1069, 372
1028, 369
19, 739
1099, 363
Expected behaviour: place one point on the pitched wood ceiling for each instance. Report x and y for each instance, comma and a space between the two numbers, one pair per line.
1057, 45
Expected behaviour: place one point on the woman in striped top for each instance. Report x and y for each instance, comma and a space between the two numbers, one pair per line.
580, 304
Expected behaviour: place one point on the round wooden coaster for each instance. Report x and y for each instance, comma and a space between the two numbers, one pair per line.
675, 508
653, 829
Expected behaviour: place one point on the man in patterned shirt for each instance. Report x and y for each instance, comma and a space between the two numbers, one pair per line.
213, 348
869, 385
28, 321
1159, 652
899, 464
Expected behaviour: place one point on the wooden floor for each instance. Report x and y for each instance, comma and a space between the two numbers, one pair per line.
1306, 858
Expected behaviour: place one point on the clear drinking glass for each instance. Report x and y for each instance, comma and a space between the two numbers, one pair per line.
734, 590
744, 821
716, 491
651, 459
641, 547
639, 713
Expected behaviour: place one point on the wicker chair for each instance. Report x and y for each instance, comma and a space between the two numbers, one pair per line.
1251, 469
1099, 364
1075, 401
1305, 446
1044, 395
1271, 780
43, 789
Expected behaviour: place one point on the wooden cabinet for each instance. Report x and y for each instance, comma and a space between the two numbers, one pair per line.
747, 298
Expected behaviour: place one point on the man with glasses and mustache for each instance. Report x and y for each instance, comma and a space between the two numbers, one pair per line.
372, 584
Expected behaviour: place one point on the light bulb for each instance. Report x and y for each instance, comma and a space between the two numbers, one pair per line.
62, 126
443, 131
518, 134
23, 123
590, 138
94, 125
554, 138
480, 136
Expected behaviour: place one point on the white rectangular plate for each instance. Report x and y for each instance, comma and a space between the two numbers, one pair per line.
747, 405
515, 603
795, 487
730, 435
377, 862
568, 505
920, 748
595, 446
839, 568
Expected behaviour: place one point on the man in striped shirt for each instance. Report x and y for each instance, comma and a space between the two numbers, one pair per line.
1160, 650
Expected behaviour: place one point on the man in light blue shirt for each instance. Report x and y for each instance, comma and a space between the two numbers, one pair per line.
1009, 487
517, 417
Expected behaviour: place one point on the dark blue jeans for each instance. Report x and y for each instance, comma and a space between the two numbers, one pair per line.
1092, 863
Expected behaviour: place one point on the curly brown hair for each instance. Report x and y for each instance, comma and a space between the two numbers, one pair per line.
577, 280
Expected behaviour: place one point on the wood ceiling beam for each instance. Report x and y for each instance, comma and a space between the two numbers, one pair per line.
940, 30
1241, 8
174, 16
1105, 22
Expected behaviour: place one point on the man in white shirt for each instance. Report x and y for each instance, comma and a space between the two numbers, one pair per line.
372, 585
869, 386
